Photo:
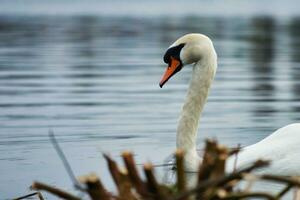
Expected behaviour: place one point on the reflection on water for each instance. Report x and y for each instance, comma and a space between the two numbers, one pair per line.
294, 29
94, 81
262, 55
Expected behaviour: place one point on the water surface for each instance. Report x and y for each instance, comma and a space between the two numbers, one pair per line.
93, 80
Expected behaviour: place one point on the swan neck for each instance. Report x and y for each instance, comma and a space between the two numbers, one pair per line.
202, 76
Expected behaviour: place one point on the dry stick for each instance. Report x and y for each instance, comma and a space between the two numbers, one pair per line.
164, 165
120, 178
58, 192
207, 167
96, 189
251, 179
133, 174
208, 161
290, 181
233, 151
180, 170
280, 179
152, 184
40, 196
151, 181
284, 191
213, 166
26, 196
238, 174
218, 170
64, 161
30, 195
296, 193
252, 194
220, 161
114, 171
223, 180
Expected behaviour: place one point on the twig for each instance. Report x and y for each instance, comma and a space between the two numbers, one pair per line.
120, 178
180, 170
296, 195
64, 160
280, 179
96, 189
40, 196
163, 165
219, 162
239, 174
284, 191
114, 171
223, 180
205, 168
251, 194
30, 195
152, 184
53, 190
212, 167
133, 174
250, 178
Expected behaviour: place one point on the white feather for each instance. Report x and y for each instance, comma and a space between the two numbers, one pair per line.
282, 147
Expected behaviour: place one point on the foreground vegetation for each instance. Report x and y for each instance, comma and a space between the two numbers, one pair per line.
212, 181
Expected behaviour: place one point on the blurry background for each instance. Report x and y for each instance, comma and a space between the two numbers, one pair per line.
89, 70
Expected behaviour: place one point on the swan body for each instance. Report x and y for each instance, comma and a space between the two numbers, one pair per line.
282, 147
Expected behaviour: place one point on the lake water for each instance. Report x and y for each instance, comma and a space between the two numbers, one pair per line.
94, 79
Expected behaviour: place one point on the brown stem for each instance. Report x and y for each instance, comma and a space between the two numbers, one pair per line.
30, 195
252, 194
223, 180
152, 184
40, 196
95, 188
280, 179
133, 174
121, 179
284, 191
114, 171
180, 170
58, 192
212, 167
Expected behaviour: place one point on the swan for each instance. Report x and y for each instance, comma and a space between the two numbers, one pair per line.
282, 147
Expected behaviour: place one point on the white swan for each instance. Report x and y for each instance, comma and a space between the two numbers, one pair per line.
282, 147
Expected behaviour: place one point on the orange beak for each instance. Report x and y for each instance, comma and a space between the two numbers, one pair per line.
173, 68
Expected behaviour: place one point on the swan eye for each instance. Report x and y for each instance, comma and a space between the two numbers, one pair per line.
173, 52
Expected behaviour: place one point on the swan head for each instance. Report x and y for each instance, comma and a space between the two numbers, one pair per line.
188, 49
